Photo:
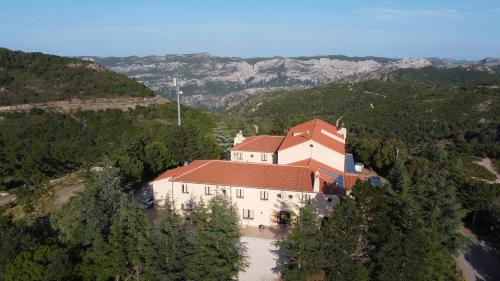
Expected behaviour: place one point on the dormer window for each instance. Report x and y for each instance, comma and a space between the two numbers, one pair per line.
300, 133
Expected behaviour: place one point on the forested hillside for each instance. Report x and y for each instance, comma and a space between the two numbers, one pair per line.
37, 77
40, 145
467, 118
455, 76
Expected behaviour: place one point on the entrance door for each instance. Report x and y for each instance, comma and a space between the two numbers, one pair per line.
284, 217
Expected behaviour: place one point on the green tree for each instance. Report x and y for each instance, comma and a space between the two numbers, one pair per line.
301, 247
167, 247
386, 156
45, 263
85, 217
218, 254
120, 257
342, 243
103, 262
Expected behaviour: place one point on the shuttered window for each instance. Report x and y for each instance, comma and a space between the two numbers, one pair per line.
247, 214
239, 193
207, 190
264, 195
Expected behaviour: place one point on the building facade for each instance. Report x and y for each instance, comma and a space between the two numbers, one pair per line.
268, 177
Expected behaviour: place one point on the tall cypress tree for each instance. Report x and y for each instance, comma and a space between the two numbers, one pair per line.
301, 247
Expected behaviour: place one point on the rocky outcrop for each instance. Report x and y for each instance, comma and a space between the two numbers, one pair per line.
218, 82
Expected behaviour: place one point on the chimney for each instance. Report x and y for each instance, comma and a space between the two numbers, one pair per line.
316, 182
239, 138
343, 131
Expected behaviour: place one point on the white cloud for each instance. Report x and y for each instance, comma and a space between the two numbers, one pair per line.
396, 14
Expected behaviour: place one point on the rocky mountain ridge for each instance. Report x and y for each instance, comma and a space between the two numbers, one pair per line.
219, 82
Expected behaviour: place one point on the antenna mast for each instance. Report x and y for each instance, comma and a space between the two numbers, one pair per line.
179, 93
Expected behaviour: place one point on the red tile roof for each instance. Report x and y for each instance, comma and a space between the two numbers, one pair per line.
219, 172
181, 170
316, 165
268, 144
350, 180
327, 182
311, 130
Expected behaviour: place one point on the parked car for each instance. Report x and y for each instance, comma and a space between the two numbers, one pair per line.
149, 202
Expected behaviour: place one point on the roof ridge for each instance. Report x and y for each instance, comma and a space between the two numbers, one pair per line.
208, 162
245, 143
257, 164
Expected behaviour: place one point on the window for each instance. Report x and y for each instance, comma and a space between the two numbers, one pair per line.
278, 195
239, 193
185, 188
251, 155
186, 206
264, 195
207, 190
223, 191
247, 214
263, 157
329, 199
306, 198
240, 156
290, 196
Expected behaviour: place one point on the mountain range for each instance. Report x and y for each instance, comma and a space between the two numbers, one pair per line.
216, 83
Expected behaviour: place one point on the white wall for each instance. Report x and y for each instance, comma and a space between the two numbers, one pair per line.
265, 212
328, 156
252, 157
317, 152
295, 153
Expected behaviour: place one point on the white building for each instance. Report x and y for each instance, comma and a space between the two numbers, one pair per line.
268, 177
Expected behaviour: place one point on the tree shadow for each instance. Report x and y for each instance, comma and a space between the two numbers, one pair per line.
484, 259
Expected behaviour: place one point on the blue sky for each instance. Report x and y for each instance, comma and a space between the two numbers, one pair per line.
463, 29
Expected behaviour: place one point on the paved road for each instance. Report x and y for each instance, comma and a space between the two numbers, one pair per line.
481, 262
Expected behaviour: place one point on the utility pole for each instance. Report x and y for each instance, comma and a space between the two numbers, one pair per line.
179, 93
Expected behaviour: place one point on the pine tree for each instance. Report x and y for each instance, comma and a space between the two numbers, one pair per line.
342, 244
398, 177
194, 143
167, 248
102, 262
441, 209
217, 254
301, 247
224, 139
120, 257
413, 250
90, 215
